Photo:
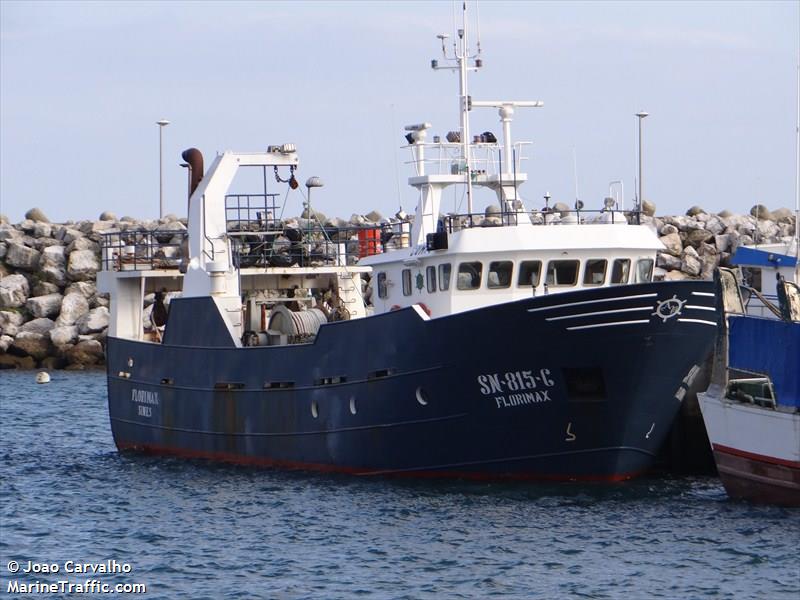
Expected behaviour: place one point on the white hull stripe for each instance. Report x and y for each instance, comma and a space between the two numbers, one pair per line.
555, 306
601, 312
711, 308
614, 324
701, 321
703, 294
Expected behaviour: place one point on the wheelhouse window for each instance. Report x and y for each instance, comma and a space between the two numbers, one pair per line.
469, 275
644, 270
620, 271
499, 274
595, 271
562, 272
383, 290
431, 277
530, 271
444, 276
406, 282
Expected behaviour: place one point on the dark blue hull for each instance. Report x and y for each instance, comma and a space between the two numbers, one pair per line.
570, 386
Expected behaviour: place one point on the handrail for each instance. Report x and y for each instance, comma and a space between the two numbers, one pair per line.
208, 239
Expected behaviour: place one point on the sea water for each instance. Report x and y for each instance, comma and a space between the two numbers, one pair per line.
75, 512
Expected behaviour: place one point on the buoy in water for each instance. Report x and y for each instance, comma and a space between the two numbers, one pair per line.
42, 377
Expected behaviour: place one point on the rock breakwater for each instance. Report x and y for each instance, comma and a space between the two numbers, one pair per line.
51, 315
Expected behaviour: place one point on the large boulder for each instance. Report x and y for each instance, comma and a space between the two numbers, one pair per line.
53, 256
44, 306
8, 233
83, 243
694, 211
649, 208
668, 262
166, 232
83, 265
52, 265
690, 262
73, 307
767, 230
32, 344
22, 257
14, 290
759, 211
675, 276
93, 321
68, 234
42, 288
107, 215
41, 325
783, 215
10, 361
61, 336
723, 242
715, 226
37, 214
667, 228
710, 261
673, 243
10, 317
42, 230
695, 237
84, 353
87, 289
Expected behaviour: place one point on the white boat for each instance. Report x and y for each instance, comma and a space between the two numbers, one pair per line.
752, 407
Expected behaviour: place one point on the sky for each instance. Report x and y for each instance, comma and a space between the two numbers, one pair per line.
82, 85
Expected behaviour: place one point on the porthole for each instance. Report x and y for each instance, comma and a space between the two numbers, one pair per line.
422, 397
353, 409
314, 409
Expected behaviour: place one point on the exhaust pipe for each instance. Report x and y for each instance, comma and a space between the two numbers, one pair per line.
194, 159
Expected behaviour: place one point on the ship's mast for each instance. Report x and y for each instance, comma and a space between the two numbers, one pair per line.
797, 184
461, 57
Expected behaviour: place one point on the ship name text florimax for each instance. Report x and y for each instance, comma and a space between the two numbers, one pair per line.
145, 399
516, 388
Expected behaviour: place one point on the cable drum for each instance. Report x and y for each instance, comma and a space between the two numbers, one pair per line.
301, 323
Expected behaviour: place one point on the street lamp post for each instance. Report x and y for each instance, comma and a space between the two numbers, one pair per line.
161, 124
641, 114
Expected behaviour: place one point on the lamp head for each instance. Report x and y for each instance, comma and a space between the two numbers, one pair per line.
314, 182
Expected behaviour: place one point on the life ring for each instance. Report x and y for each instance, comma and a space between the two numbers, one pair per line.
424, 307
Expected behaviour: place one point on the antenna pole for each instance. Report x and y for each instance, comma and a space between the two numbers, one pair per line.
641, 115
464, 104
797, 183
797, 168
575, 172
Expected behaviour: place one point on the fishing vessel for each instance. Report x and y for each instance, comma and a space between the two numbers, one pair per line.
509, 343
752, 407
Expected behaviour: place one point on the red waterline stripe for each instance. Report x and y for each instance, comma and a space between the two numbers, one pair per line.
254, 461
793, 464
